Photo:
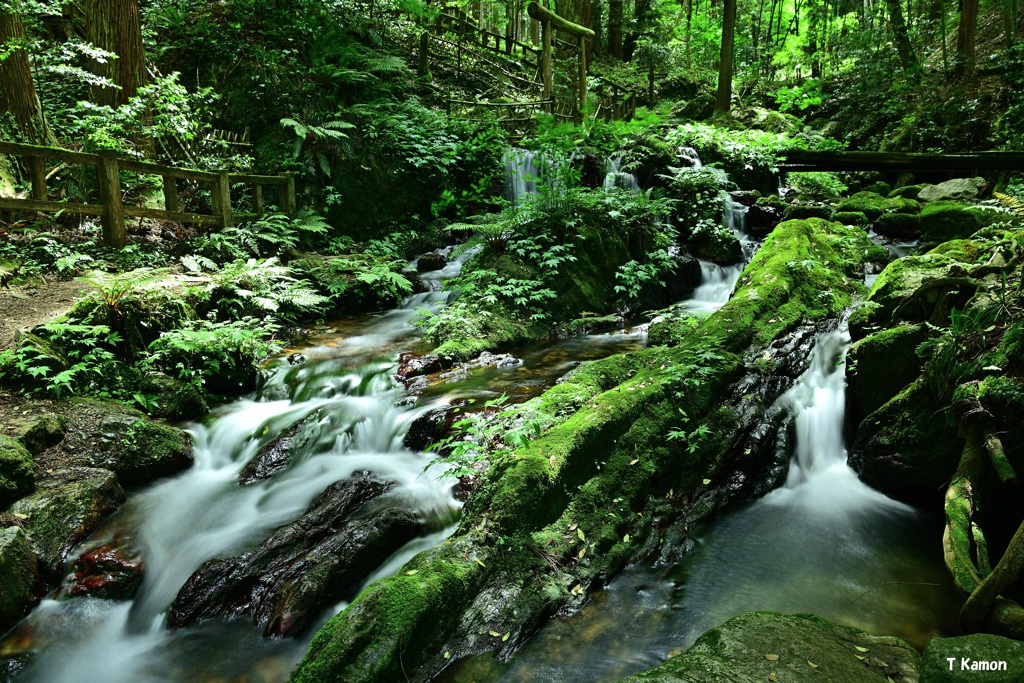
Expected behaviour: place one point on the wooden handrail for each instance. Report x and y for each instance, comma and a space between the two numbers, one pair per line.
540, 13
111, 209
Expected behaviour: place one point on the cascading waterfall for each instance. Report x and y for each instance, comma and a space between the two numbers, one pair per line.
521, 174
617, 178
717, 281
355, 420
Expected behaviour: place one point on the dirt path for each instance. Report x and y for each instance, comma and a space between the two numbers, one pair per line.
23, 308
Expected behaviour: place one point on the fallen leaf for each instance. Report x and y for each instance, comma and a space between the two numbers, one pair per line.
583, 551
412, 572
552, 461
479, 562
625, 539
579, 532
860, 657
505, 637
495, 634
572, 527
772, 677
860, 649
707, 481
447, 654
634, 461
772, 658
812, 664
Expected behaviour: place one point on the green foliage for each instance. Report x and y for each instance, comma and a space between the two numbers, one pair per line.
803, 96
635, 277
63, 359
317, 147
265, 237
258, 287
817, 184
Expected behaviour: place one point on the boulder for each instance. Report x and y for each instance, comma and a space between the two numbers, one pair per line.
317, 560
20, 582
430, 262
947, 220
175, 400
795, 211
48, 430
413, 365
112, 571
270, 459
873, 205
764, 215
958, 189
17, 471
906, 192
851, 218
431, 426
881, 365
903, 225
907, 448
768, 646
745, 197
66, 507
971, 656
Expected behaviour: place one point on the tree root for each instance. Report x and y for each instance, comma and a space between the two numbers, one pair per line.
962, 503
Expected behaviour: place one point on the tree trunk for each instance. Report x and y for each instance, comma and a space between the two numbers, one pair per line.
900, 36
615, 28
18, 96
723, 101
596, 8
966, 37
115, 26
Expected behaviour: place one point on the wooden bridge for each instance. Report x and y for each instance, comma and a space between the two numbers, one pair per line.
111, 208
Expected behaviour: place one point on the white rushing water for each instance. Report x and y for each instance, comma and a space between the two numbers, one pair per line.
615, 177
355, 420
717, 282
521, 174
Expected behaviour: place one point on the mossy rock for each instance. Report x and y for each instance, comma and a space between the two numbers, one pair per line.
901, 279
863, 320
17, 471
773, 201
768, 646
175, 400
20, 578
66, 507
905, 225
873, 205
971, 656
46, 431
882, 364
948, 220
799, 211
908, 448
957, 189
851, 218
137, 449
906, 192
879, 187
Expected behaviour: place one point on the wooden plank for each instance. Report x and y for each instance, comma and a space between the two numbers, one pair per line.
256, 179
57, 153
287, 198
222, 199
542, 14
157, 169
37, 172
178, 216
114, 234
11, 204
257, 198
470, 103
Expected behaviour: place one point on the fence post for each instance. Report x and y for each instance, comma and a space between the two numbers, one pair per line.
171, 202
37, 170
109, 176
222, 199
287, 188
257, 198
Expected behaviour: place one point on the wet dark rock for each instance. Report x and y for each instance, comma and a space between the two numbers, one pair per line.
66, 507
745, 197
431, 426
488, 359
592, 169
137, 449
112, 571
465, 487
678, 284
317, 560
17, 471
762, 219
270, 459
19, 578
296, 359
430, 262
175, 400
413, 365
880, 366
47, 431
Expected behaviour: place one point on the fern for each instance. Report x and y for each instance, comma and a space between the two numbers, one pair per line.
1013, 204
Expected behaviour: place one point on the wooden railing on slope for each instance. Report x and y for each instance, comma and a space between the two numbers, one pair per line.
112, 211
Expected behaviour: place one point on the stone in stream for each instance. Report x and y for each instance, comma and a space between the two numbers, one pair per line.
431, 426
768, 646
270, 459
957, 189
413, 365
764, 215
112, 571
66, 507
315, 561
430, 262
20, 579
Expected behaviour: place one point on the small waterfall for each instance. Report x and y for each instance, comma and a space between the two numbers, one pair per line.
616, 177
717, 282
521, 174
688, 157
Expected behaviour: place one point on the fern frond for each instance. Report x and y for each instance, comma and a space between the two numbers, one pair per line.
1015, 205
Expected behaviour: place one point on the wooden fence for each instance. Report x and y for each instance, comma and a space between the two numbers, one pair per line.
111, 209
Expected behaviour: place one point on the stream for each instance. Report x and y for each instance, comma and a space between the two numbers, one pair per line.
823, 543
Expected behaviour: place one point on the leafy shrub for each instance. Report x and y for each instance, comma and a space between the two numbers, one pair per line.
817, 184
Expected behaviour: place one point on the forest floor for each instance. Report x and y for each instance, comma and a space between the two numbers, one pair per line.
22, 308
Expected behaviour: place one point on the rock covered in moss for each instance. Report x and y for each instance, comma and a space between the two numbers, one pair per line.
906, 192
17, 471
972, 655
873, 205
20, 580
879, 187
948, 220
957, 189
908, 448
881, 365
796, 211
128, 443
905, 225
851, 218
47, 430
175, 400
430, 262
66, 507
768, 646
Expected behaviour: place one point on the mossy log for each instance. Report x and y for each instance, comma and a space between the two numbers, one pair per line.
570, 508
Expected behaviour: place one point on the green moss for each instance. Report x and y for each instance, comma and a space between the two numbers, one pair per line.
906, 192
798, 211
978, 647
882, 364
18, 569
767, 646
899, 224
773, 201
851, 218
879, 187
17, 471
175, 400
873, 205
948, 220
